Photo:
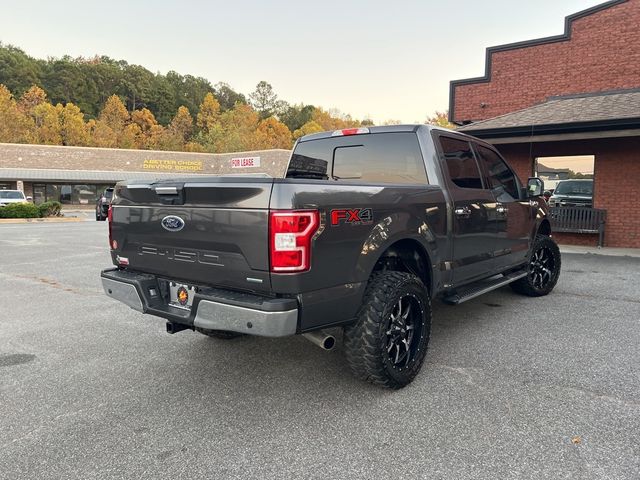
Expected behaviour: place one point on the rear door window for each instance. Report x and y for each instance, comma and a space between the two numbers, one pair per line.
461, 163
369, 158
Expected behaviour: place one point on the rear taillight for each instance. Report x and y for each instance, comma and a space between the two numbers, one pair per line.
112, 243
290, 235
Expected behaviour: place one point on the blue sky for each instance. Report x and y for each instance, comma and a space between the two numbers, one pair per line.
383, 60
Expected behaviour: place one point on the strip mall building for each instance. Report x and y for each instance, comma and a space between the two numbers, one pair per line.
577, 93
76, 176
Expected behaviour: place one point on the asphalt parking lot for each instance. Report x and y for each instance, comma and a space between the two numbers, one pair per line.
513, 387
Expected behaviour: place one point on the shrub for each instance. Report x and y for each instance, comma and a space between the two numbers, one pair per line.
50, 209
19, 210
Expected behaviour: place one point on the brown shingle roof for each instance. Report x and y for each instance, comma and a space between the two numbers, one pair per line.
563, 110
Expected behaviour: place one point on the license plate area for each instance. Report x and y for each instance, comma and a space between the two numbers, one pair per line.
181, 295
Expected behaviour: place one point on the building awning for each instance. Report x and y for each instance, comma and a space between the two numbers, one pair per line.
79, 176
594, 115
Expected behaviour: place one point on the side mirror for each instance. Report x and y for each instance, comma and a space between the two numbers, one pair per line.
29, 199
535, 187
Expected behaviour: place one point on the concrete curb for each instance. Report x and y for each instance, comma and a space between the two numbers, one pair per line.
42, 220
604, 251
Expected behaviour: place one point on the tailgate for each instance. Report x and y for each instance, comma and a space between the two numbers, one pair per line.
207, 231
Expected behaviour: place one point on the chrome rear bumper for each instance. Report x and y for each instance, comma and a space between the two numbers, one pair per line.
219, 310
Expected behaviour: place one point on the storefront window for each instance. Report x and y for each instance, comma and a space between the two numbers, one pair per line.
39, 193
52, 193
83, 194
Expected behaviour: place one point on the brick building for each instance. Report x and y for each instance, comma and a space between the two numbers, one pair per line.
577, 93
77, 175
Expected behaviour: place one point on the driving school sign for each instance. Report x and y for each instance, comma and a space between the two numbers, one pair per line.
173, 165
245, 162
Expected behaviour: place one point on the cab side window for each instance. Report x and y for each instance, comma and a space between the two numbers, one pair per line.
501, 178
461, 163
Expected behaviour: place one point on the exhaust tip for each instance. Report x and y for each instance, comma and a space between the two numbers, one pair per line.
329, 343
322, 339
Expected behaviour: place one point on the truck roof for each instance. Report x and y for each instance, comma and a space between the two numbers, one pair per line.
411, 127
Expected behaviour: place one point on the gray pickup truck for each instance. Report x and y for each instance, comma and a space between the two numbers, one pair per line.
367, 227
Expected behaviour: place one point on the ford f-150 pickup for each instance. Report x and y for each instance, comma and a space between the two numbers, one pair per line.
367, 226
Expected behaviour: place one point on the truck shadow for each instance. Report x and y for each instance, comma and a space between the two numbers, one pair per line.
298, 367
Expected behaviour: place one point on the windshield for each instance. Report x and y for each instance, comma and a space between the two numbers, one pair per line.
574, 188
11, 194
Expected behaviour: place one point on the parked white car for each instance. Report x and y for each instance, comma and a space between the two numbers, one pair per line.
12, 196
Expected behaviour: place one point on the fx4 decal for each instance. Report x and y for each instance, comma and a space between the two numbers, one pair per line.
355, 216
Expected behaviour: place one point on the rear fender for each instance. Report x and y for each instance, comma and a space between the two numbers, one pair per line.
389, 237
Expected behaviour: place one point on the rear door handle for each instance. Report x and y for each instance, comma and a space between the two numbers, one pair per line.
464, 212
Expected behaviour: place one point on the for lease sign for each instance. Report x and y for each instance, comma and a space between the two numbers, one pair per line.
245, 162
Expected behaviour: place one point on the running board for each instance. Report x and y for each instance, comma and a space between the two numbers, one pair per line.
476, 289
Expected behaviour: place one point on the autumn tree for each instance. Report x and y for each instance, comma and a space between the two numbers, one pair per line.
101, 135
15, 126
109, 130
144, 119
440, 119
179, 131
208, 117
307, 128
272, 134
48, 126
73, 130
332, 120
238, 130
150, 132
32, 98
114, 114
182, 124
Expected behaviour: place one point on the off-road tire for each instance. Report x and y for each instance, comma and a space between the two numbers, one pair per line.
527, 285
219, 334
366, 341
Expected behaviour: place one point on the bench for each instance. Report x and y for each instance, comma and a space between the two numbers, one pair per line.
578, 220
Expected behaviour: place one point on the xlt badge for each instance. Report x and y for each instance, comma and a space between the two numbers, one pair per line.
355, 216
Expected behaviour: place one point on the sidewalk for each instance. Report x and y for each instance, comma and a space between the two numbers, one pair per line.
607, 251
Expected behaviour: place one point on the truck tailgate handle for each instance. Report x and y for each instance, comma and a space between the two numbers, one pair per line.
166, 190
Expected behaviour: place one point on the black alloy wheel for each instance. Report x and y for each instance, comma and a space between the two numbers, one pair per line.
403, 331
543, 268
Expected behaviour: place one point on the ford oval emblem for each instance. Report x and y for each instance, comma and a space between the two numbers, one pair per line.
172, 223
